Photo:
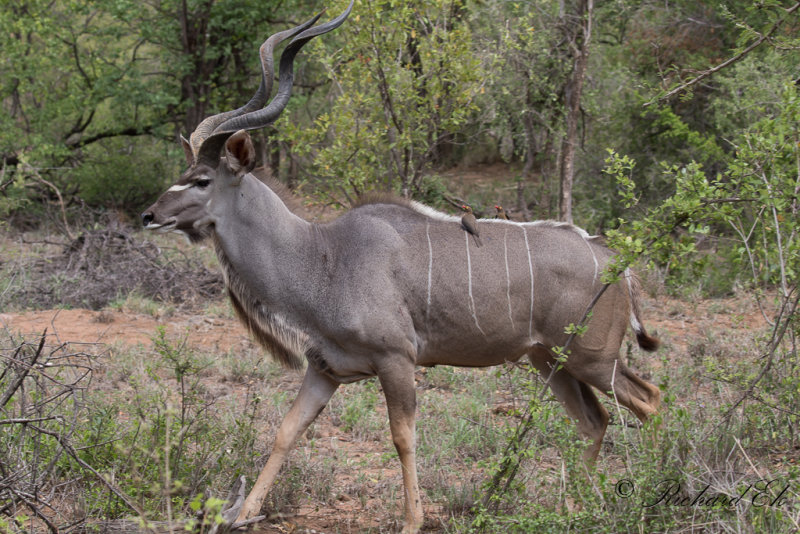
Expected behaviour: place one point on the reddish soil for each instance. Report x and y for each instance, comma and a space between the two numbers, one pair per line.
680, 322
110, 327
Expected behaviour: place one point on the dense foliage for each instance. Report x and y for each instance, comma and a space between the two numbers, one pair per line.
686, 157
95, 93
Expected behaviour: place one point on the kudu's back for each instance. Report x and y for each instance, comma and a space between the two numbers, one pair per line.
479, 306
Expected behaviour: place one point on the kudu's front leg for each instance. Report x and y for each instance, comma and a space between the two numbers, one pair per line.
401, 402
314, 394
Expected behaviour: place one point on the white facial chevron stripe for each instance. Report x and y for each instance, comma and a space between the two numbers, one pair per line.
176, 188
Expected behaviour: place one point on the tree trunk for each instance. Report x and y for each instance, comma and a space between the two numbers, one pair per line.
194, 41
530, 158
572, 97
548, 170
273, 158
291, 171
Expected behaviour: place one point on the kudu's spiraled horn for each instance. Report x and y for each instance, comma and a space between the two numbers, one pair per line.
207, 126
251, 120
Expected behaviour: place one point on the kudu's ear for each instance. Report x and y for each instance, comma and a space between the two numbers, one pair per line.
240, 155
187, 151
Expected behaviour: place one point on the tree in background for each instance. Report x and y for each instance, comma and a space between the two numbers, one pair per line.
95, 93
74, 82
578, 36
525, 93
540, 64
404, 83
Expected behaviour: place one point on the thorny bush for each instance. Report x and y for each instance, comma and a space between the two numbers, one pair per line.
42, 406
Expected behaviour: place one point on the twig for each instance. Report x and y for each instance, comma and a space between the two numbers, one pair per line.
757, 398
744, 453
41, 242
628, 463
36, 175
454, 201
24, 372
778, 332
24, 421
112, 487
167, 481
35, 510
476, 423
240, 524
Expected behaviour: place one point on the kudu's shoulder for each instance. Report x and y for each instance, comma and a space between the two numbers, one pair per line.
377, 209
388, 206
565, 227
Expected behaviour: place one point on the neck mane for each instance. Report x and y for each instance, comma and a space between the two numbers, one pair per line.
289, 199
283, 341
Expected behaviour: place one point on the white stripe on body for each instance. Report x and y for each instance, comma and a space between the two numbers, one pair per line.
508, 278
530, 267
469, 286
430, 267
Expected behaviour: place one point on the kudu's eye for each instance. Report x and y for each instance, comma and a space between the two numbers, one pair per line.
202, 183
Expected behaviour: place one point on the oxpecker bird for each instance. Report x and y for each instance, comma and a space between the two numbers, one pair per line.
470, 224
501, 213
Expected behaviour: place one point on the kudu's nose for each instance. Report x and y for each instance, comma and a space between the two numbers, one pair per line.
147, 218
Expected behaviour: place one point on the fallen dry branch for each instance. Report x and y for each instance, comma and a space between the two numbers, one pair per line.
93, 270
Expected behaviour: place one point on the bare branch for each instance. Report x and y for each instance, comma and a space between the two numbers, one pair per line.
23, 421
731, 61
3, 182
33, 172
21, 377
107, 483
150, 129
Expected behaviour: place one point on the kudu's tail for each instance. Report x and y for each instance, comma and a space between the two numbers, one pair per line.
645, 341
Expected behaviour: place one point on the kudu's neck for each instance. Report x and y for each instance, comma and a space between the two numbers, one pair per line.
264, 249
255, 230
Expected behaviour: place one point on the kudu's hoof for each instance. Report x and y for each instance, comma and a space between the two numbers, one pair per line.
232, 508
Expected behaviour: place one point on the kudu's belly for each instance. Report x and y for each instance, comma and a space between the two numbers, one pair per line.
474, 351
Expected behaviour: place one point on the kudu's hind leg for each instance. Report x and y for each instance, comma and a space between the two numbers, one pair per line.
398, 385
314, 394
638, 395
611, 376
578, 399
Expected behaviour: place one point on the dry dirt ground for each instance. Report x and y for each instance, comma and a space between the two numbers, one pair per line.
109, 327
678, 323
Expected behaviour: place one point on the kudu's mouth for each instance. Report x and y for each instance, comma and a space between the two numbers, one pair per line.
161, 228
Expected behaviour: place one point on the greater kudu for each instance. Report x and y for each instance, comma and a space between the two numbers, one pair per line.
393, 284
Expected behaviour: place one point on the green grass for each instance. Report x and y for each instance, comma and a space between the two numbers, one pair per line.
694, 441
355, 410
138, 304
